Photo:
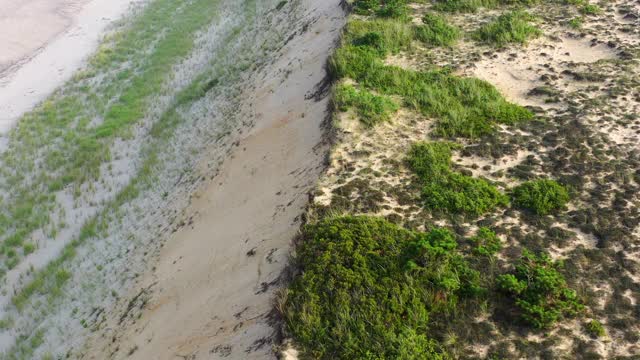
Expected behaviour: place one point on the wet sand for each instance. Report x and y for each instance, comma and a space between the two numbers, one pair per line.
42, 43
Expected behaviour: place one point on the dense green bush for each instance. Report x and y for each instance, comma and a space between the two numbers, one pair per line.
367, 287
595, 329
512, 27
540, 196
436, 31
371, 109
539, 291
447, 191
486, 242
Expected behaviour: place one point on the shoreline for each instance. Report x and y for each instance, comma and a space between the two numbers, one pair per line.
33, 76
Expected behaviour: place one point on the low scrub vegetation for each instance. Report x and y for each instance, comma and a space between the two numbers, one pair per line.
447, 191
371, 108
381, 8
464, 107
541, 196
539, 291
367, 289
463, 5
435, 31
512, 27
486, 242
382, 35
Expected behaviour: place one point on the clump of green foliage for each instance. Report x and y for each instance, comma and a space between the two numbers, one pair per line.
590, 9
463, 5
464, 107
371, 109
367, 287
436, 31
382, 35
540, 196
512, 27
576, 23
381, 8
474, 5
539, 291
595, 329
448, 191
486, 242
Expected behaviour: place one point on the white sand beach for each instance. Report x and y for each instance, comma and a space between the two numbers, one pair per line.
42, 43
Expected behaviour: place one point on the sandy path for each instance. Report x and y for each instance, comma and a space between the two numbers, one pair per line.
210, 293
42, 43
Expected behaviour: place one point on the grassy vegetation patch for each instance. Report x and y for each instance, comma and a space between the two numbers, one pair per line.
371, 109
464, 107
435, 31
382, 8
463, 5
367, 288
447, 191
539, 291
541, 196
512, 27
590, 9
384, 36
475, 5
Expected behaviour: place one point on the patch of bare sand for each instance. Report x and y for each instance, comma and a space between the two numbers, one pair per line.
26, 26
43, 43
516, 72
210, 293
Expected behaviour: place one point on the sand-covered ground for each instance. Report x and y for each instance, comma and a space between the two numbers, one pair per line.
209, 293
160, 232
42, 43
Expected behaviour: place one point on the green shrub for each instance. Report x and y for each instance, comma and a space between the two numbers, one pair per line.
385, 36
576, 23
371, 109
393, 9
28, 249
595, 329
367, 287
436, 31
381, 8
447, 191
486, 242
540, 196
365, 7
590, 9
539, 291
512, 27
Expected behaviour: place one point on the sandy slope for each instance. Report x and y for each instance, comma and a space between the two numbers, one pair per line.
210, 293
42, 43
